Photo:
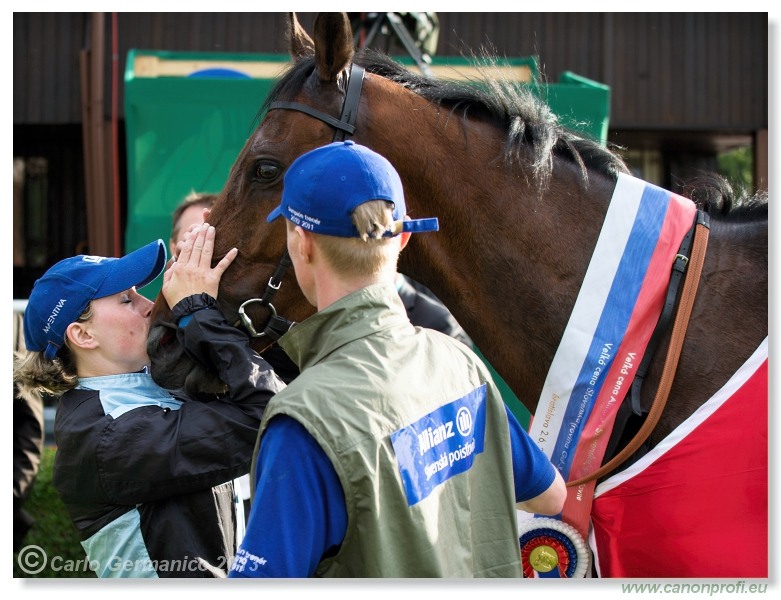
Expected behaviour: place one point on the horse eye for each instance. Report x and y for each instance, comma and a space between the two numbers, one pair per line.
266, 171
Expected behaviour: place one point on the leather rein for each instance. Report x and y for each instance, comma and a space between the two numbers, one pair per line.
277, 326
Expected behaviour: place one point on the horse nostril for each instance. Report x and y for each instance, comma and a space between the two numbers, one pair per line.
161, 336
168, 337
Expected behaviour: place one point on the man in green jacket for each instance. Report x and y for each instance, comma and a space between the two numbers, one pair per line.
392, 454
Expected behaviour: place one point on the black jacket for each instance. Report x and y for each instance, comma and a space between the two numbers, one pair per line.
158, 479
424, 309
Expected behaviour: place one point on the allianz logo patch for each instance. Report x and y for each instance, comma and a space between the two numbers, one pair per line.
440, 445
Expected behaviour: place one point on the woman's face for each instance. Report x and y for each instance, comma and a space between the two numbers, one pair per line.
120, 325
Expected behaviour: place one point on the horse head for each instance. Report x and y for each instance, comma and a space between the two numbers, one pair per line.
318, 79
467, 156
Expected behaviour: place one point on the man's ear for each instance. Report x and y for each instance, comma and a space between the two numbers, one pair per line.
304, 240
405, 235
80, 336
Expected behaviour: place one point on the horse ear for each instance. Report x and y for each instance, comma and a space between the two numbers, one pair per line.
301, 45
333, 44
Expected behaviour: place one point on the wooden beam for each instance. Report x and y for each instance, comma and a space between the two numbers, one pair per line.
761, 174
97, 142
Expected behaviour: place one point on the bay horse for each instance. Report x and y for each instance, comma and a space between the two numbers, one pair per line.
520, 201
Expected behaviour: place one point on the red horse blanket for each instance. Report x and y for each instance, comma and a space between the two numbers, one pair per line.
701, 495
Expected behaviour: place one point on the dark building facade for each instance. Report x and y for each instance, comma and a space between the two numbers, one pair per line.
684, 88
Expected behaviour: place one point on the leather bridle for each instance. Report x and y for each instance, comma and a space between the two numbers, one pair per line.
277, 326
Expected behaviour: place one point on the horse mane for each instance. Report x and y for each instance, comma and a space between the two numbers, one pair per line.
530, 126
716, 196
512, 106
528, 122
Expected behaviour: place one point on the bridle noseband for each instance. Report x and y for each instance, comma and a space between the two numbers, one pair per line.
277, 326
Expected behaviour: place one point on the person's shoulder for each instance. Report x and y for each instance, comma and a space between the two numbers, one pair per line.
78, 398
424, 309
432, 315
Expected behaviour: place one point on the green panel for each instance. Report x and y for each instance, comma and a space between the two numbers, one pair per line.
183, 135
581, 104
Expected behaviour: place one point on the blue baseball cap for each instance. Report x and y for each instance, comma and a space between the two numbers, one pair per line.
324, 186
63, 293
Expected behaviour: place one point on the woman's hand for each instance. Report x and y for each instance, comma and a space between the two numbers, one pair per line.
191, 271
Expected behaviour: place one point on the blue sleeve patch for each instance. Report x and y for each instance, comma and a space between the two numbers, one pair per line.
440, 445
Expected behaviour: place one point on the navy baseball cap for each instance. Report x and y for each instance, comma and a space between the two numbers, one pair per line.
324, 186
61, 295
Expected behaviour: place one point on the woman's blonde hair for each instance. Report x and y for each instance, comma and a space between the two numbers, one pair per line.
372, 252
35, 374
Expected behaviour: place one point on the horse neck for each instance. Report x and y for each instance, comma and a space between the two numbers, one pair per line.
506, 252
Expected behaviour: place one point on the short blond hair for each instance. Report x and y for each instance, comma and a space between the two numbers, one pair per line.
371, 253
